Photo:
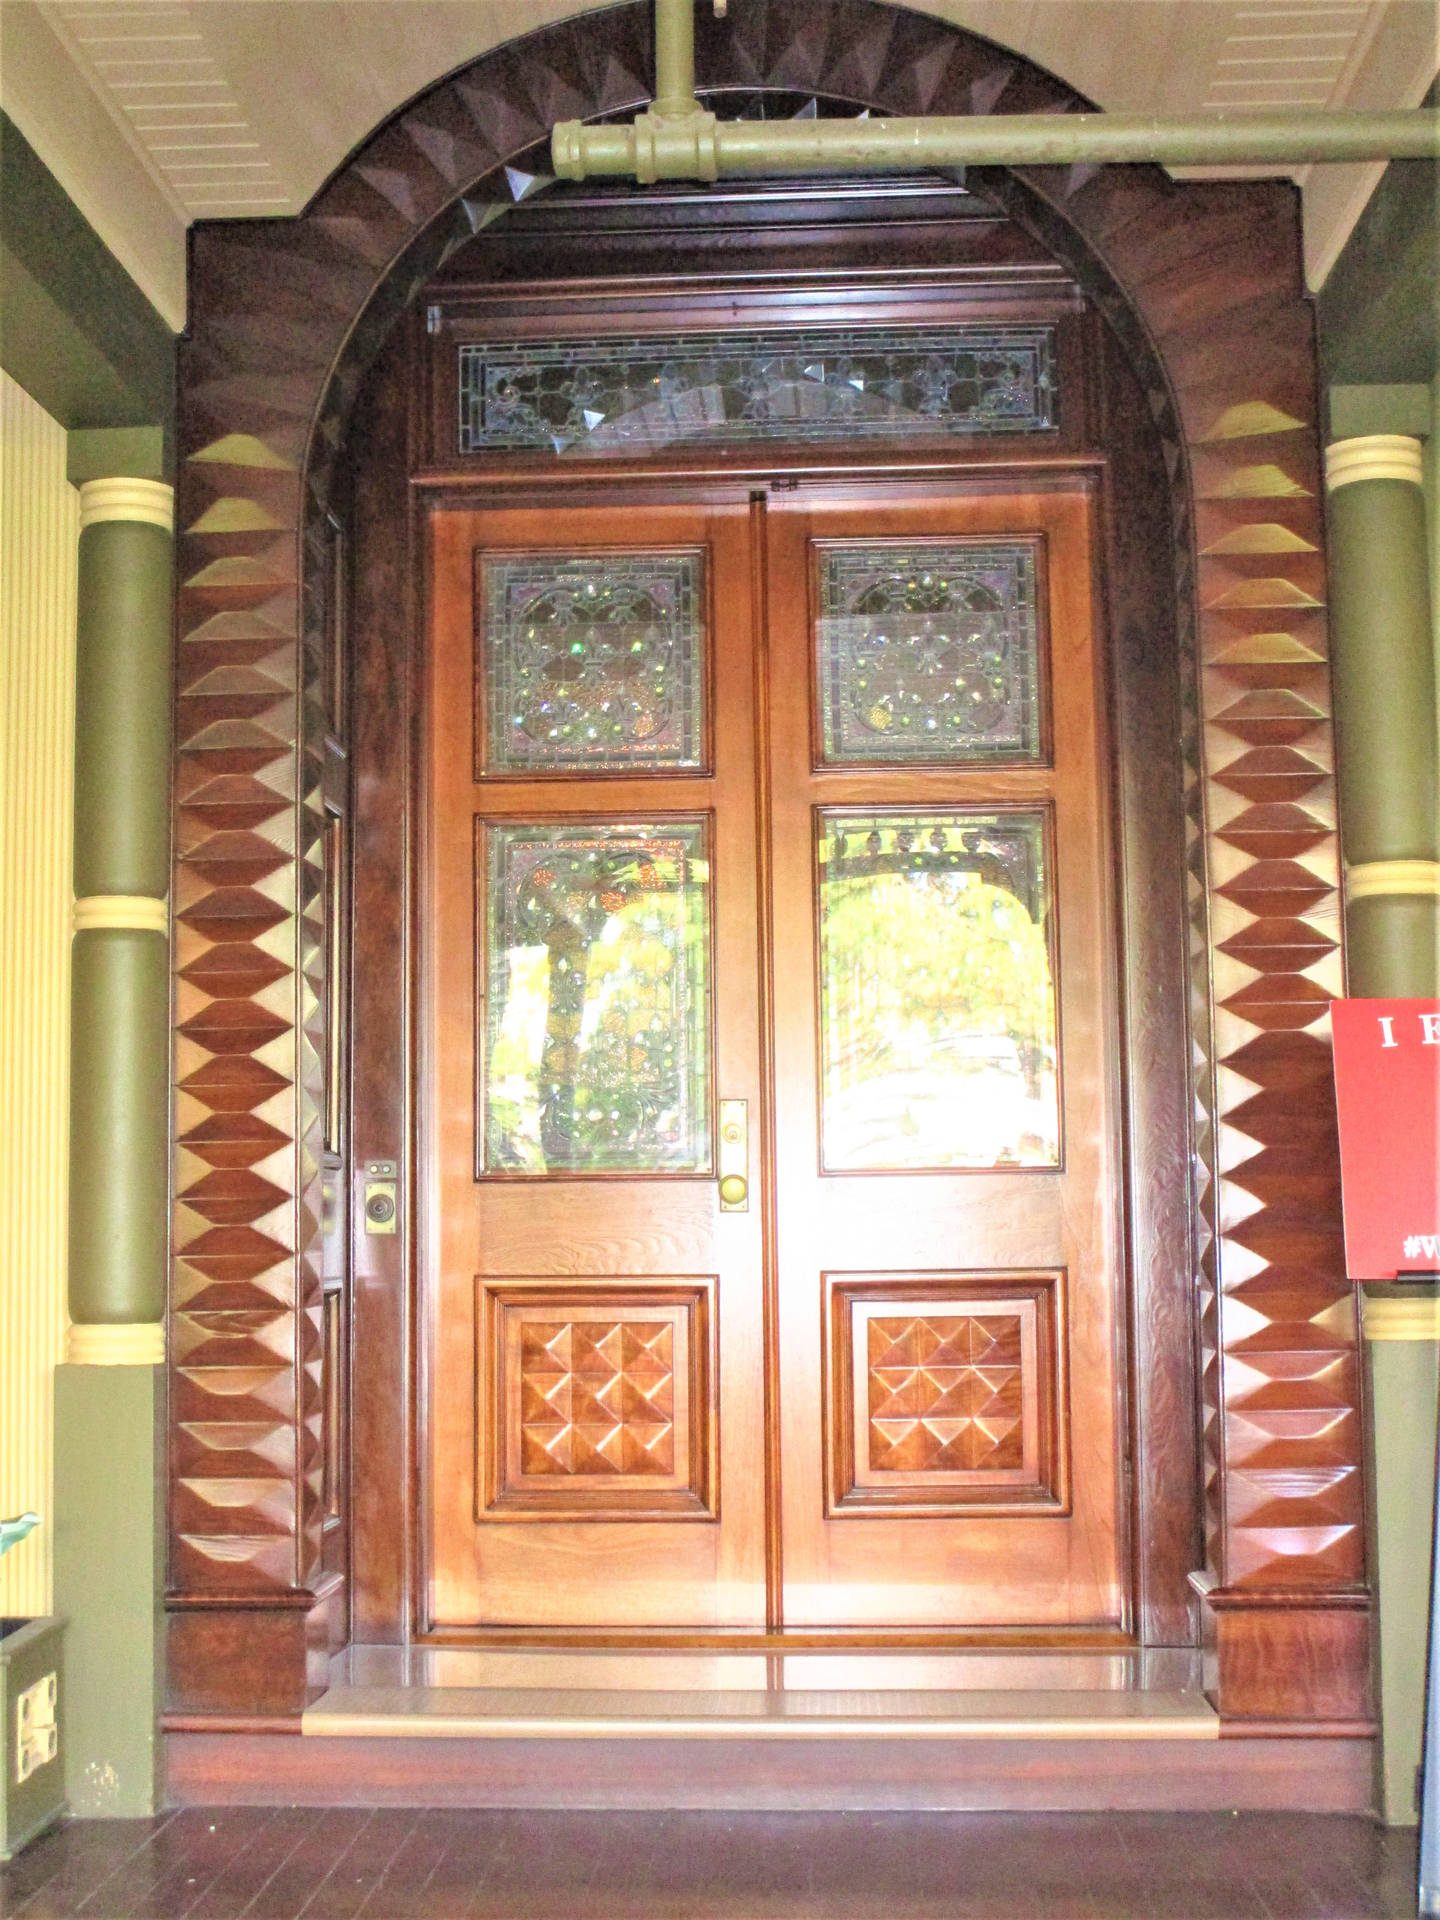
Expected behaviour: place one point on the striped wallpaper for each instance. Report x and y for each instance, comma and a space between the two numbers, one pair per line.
39, 530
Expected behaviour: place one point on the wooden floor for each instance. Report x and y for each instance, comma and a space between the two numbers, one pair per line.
282, 1863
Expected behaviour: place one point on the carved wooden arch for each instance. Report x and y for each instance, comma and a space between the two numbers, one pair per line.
1203, 284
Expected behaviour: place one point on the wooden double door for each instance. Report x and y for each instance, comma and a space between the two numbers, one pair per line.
770, 1243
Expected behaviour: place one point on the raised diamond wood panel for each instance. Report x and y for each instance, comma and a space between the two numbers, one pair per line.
598, 1397
595, 1399
1202, 285
947, 1392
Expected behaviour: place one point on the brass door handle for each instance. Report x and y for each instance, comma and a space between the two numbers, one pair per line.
734, 1156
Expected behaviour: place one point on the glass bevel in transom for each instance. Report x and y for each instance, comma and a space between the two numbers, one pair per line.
938, 1038
928, 653
640, 394
596, 1015
591, 661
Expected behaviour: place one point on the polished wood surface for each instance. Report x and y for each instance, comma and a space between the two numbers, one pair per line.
452, 1864
588, 1250
1199, 283
385, 682
963, 1231
800, 1509
1314, 1774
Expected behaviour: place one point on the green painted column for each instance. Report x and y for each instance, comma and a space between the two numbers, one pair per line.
1384, 673
1384, 668
120, 994
109, 1483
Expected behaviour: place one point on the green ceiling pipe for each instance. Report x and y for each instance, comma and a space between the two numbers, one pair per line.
675, 57
678, 140
697, 146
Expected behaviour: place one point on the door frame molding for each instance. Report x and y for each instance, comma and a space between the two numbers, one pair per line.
1200, 283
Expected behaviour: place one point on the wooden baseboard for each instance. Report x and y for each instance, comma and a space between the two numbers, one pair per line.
247, 1659
1287, 1655
250, 1769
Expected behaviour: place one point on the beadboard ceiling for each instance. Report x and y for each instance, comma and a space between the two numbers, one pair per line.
154, 113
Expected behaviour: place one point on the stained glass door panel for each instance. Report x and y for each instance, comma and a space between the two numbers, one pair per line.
593, 1360
937, 990
946, 1182
930, 651
596, 997
590, 661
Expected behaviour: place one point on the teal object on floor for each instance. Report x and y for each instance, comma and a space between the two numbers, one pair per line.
12, 1532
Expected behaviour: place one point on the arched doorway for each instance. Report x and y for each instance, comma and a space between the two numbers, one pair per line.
1180, 297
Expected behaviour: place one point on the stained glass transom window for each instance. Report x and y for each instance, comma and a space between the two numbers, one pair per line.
928, 653
591, 660
937, 993
608, 396
596, 1012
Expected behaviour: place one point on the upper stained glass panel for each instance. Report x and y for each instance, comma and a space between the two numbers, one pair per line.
596, 998
590, 660
636, 395
928, 653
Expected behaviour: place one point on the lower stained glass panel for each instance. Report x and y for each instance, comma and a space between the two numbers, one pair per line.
596, 998
937, 991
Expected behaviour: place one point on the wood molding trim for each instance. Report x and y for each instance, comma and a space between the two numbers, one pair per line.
248, 1769
1202, 285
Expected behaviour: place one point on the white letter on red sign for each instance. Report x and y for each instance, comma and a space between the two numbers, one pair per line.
1387, 1027
1430, 1027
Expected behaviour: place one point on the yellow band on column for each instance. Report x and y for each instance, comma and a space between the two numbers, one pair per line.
1370, 879
1374, 456
1402, 1316
149, 501
137, 1344
137, 910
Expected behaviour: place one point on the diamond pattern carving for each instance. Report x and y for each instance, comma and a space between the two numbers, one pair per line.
594, 1399
598, 1398
945, 1393
1200, 282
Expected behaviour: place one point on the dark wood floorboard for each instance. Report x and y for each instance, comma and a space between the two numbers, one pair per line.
290, 1863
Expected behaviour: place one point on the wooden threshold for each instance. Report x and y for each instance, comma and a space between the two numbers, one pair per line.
517, 1727
451, 1713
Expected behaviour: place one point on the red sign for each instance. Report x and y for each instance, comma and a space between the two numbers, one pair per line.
1387, 1093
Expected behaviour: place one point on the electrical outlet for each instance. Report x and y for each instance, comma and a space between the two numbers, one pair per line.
37, 1729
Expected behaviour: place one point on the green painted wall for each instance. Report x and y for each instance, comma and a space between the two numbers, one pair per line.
75, 330
109, 1553
1379, 317
78, 335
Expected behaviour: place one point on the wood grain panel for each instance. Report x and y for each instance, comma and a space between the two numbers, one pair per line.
946, 1393
253, 1769
1201, 285
596, 1401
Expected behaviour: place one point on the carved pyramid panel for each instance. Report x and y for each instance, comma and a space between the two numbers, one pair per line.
594, 1399
946, 1393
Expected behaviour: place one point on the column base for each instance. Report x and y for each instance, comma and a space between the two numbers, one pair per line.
1274, 1655
1402, 1366
109, 1544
